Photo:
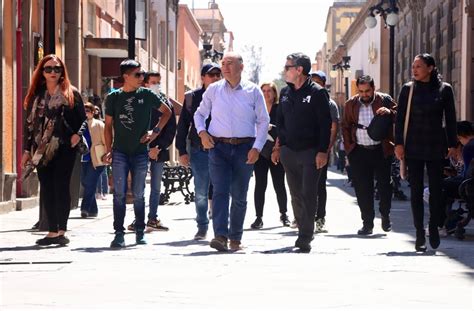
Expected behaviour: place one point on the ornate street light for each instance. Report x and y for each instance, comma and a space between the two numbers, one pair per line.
344, 67
389, 11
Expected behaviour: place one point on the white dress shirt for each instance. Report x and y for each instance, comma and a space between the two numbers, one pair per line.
236, 112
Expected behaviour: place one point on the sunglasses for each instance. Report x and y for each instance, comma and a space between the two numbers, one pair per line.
50, 69
88, 110
139, 74
287, 67
214, 74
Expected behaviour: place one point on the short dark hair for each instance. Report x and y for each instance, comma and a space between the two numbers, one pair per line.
127, 65
464, 128
151, 73
300, 59
365, 79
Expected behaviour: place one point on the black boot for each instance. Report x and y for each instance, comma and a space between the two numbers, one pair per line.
420, 241
434, 236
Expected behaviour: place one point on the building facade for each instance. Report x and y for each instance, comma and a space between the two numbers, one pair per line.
189, 42
443, 28
340, 17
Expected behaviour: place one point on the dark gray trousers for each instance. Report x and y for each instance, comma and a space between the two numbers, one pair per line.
303, 178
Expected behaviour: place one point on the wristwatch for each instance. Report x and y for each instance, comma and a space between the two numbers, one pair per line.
156, 130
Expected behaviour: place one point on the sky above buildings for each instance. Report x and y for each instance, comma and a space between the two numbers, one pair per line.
279, 27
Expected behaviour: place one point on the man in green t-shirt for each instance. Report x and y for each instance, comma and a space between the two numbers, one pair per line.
127, 120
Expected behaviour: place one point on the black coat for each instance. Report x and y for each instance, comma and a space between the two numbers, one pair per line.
427, 139
303, 118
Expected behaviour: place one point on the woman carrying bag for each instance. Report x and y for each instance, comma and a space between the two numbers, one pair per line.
92, 165
420, 140
264, 164
55, 112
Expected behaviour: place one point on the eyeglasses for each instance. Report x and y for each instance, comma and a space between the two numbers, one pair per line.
139, 74
50, 69
87, 110
214, 74
287, 67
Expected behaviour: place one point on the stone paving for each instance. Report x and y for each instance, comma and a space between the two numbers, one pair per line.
343, 271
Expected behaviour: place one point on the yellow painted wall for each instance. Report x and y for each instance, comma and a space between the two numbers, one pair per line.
8, 88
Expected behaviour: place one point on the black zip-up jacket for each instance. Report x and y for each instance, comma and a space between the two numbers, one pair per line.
303, 119
165, 138
186, 128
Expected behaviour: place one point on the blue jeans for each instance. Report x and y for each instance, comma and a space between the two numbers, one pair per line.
156, 172
230, 176
89, 177
200, 167
103, 182
137, 165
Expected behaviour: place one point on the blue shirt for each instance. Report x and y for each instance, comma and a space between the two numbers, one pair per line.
236, 112
467, 155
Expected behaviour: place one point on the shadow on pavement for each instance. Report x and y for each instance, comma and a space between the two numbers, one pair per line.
402, 222
408, 254
288, 249
263, 229
19, 230
184, 243
283, 233
208, 253
103, 249
28, 248
181, 219
356, 236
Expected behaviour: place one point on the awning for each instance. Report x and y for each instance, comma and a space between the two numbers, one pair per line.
106, 47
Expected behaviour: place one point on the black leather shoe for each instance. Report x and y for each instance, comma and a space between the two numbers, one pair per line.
434, 237
257, 224
303, 244
365, 231
47, 241
284, 220
63, 240
386, 224
420, 241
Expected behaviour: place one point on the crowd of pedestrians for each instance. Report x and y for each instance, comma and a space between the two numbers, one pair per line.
230, 129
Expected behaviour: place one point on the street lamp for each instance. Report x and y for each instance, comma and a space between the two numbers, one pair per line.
389, 11
344, 67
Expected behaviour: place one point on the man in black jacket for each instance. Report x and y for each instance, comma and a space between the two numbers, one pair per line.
198, 157
304, 124
158, 155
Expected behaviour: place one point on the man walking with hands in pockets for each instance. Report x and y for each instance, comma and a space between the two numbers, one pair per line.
235, 137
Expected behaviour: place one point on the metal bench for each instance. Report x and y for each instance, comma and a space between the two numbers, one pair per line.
176, 178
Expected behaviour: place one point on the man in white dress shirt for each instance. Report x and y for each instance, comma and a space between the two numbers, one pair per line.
235, 137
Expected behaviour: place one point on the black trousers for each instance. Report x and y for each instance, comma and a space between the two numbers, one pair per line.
54, 180
435, 178
261, 168
322, 193
367, 165
302, 177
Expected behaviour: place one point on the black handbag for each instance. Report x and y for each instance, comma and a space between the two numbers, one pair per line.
380, 126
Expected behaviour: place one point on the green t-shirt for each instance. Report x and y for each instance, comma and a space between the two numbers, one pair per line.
131, 112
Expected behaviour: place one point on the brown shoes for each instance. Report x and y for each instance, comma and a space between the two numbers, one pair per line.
219, 243
235, 245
